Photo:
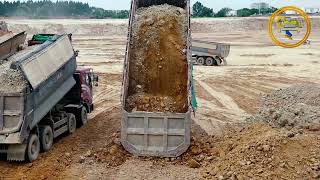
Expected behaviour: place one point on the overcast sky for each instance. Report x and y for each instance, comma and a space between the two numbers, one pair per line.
215, 4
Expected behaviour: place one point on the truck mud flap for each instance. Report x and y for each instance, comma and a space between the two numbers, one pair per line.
155, 134
14, 152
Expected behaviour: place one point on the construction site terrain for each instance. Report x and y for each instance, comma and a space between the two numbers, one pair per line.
236, 134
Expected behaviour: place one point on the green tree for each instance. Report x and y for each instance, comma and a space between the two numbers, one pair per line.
200, 10
62, 8
245, 12
223, 12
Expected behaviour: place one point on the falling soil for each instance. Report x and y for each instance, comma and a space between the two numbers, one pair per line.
158, 69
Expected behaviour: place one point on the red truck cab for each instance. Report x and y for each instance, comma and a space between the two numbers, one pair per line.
87, 80
81, 95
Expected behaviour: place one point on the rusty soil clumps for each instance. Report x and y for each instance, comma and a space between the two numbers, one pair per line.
158, 62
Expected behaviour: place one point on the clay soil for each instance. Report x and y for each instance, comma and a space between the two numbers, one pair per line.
224, 145
158, 74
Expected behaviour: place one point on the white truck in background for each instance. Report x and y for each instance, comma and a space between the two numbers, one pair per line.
206, 53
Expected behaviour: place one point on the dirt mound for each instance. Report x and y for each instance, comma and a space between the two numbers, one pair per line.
275, 145
260, 152
296, 107
157, 48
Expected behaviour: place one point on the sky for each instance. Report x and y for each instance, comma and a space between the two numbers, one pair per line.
215, 4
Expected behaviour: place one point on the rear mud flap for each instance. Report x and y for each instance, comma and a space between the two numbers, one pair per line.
155, 134
16, 152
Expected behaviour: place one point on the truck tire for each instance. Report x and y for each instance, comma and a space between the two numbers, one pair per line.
200, 61
72, 123
218, 61
33, 148
46, 138
209, 61
82, 116
225, 62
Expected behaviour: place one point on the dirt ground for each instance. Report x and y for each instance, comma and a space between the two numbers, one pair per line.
222, 147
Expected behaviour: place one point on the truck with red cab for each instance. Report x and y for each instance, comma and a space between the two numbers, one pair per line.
57, 98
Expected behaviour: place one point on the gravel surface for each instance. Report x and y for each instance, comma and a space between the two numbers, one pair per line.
157, 49
262, 152
295, 107
11, 81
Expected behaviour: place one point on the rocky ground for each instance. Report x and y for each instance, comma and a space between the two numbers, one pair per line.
10, 80
224, 145
296, 108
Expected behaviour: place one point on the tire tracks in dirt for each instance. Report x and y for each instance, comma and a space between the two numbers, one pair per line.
224, 99
214, 117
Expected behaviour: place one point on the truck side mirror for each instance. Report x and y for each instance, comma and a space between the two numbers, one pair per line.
96, 78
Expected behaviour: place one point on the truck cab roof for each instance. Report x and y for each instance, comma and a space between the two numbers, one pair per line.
83, 69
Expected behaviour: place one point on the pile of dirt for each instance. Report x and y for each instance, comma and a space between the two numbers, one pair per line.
11, 80
262, 152
296, 107
158, 62
281, 143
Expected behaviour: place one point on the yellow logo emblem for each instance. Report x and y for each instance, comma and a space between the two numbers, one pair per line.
289, 31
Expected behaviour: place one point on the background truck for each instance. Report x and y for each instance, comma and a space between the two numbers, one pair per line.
41, 38
56, 99
165, 134
11, 43
209, 53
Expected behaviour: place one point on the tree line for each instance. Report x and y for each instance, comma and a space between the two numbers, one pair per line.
199, 10
47, 8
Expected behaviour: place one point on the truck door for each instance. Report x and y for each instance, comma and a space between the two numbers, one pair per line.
86, 89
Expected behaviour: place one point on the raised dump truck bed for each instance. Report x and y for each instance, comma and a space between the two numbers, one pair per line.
9, 44
157, 133
209, 53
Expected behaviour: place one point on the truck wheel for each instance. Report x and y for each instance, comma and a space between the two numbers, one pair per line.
209, 61
225, 63
218, 61
83, 116
200, 60
46, 138
33, 148
72, 124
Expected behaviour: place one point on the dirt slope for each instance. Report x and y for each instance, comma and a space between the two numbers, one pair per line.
261, 152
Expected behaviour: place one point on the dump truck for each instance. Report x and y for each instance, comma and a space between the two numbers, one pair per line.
207, 53
11, 43
54, 100
157, 83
